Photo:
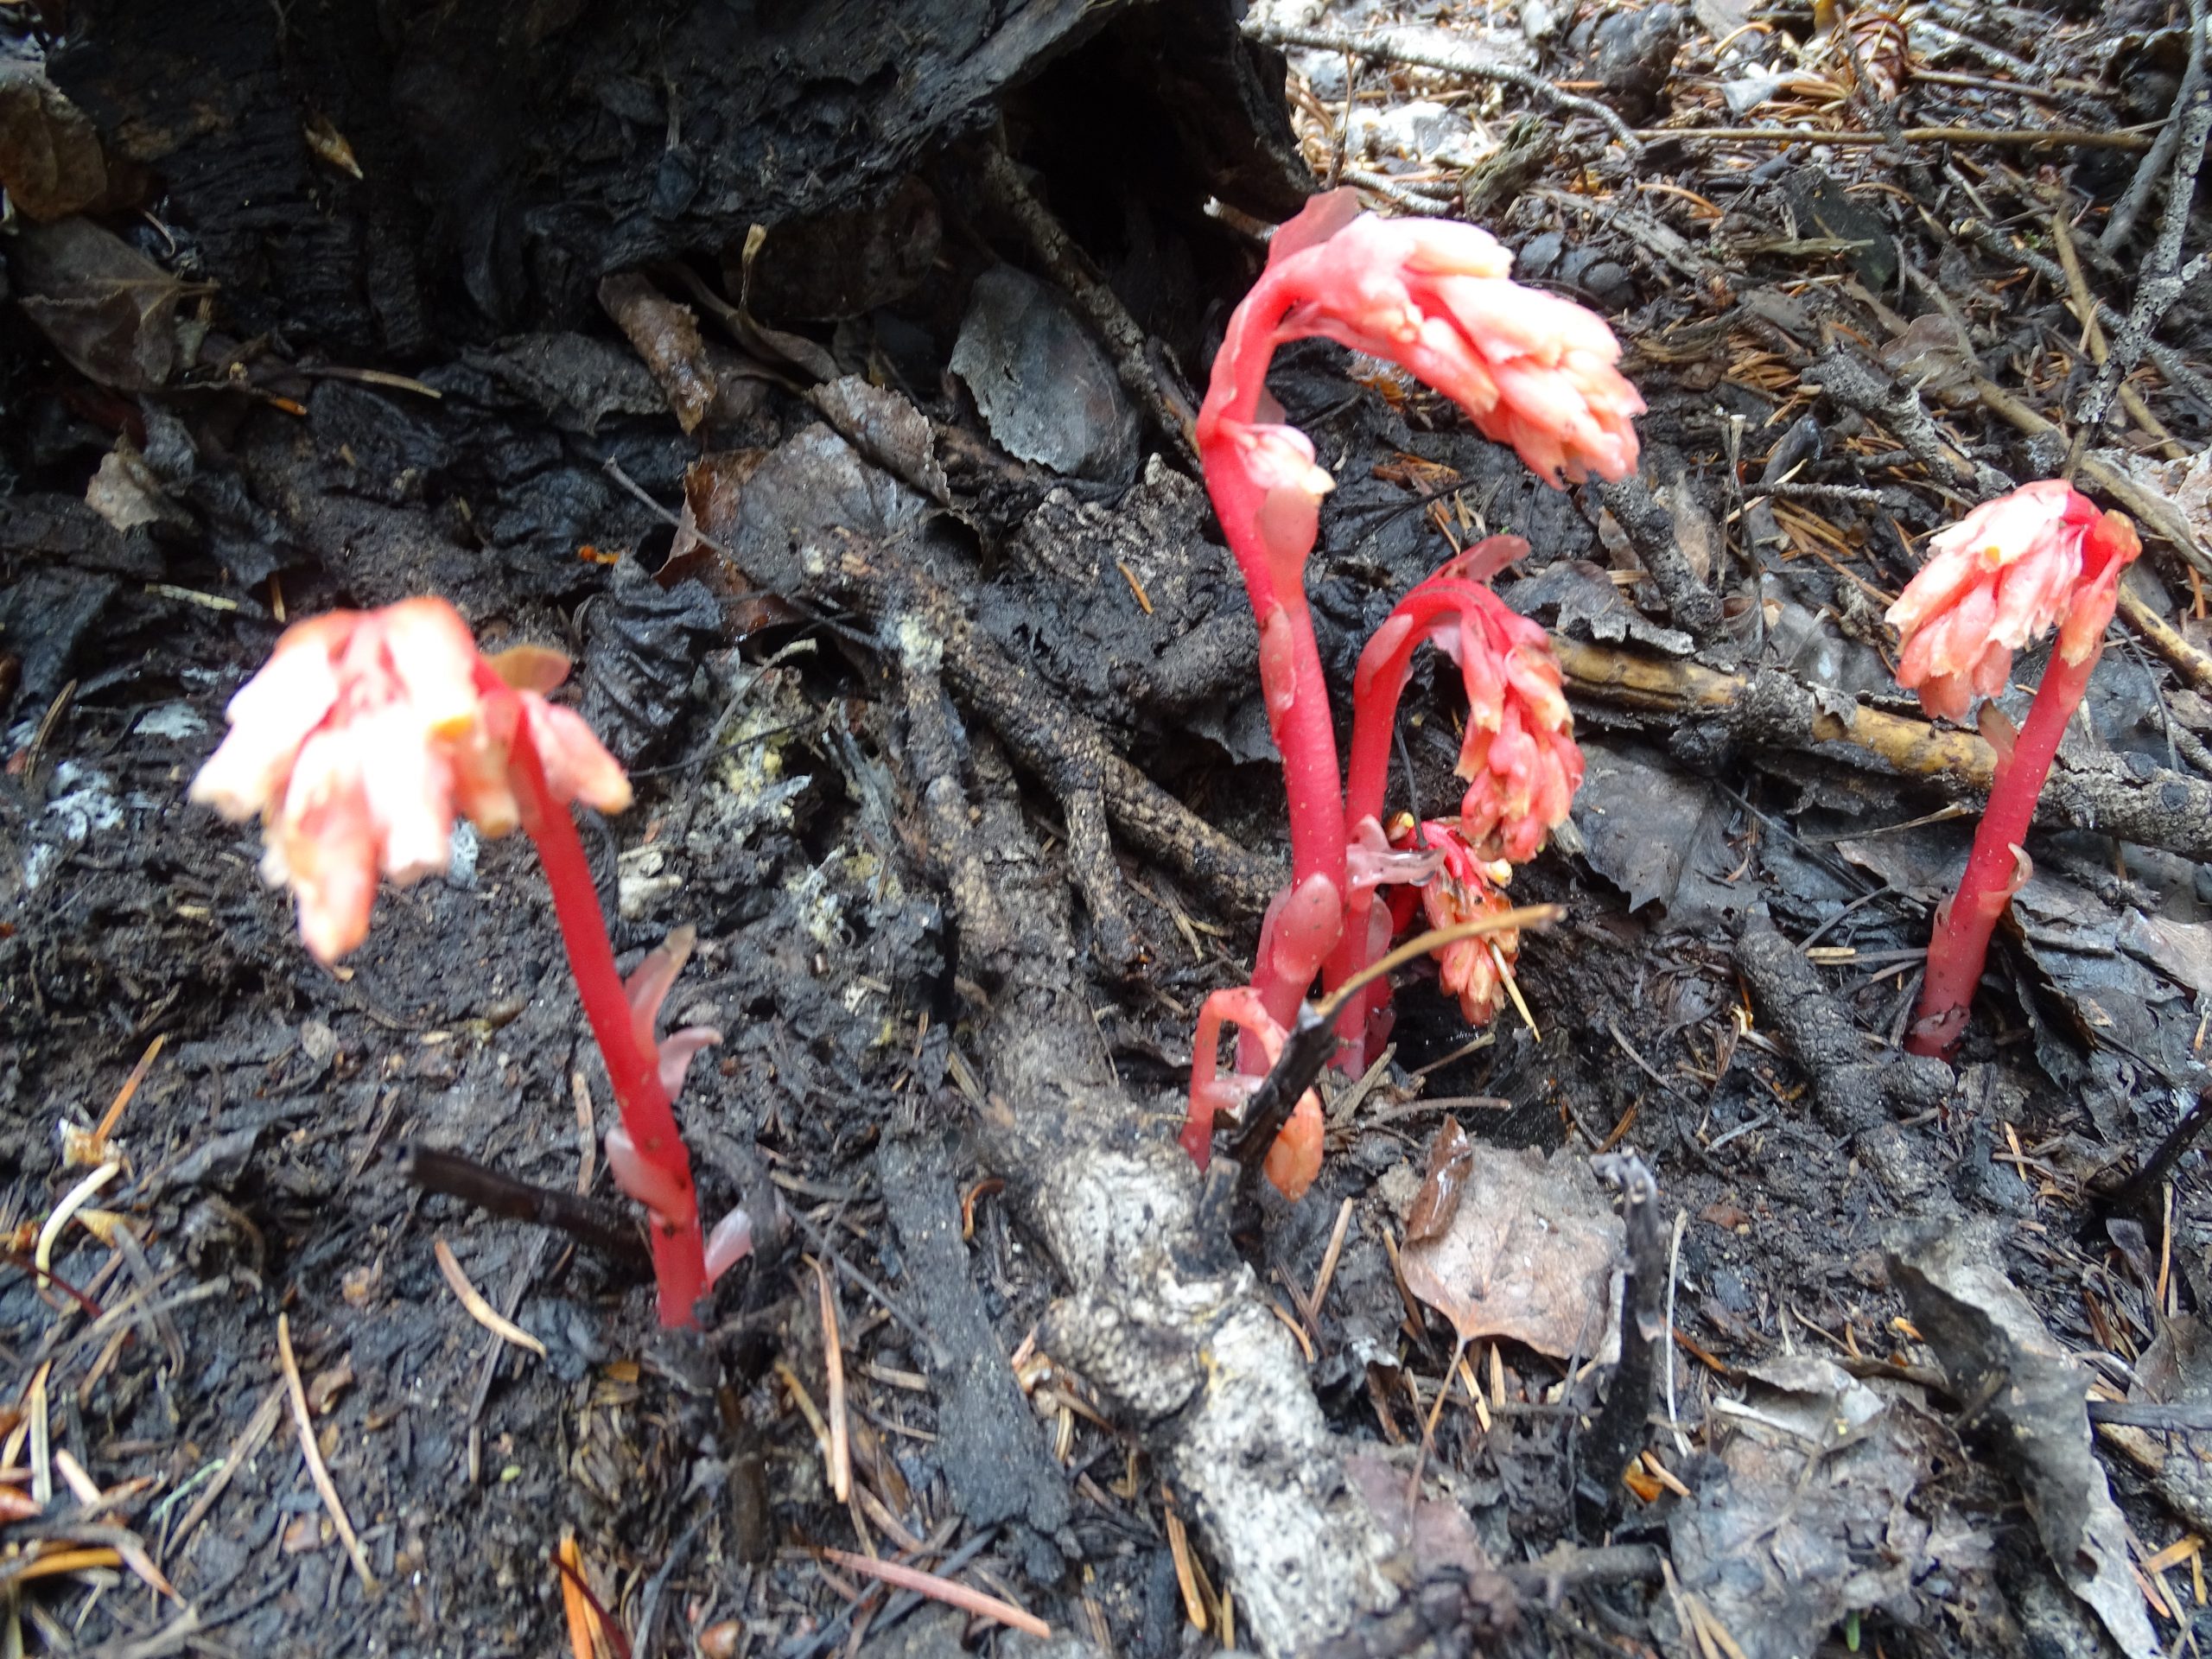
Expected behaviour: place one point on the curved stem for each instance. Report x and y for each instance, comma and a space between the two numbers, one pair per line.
1307, 735
1378, 688
1960, 943
679, 1256
1304, 731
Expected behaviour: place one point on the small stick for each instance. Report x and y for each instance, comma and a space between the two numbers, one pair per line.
1313, 1039
472, 1299
316, 1470
2166, 276
2178, 375
2160, 154
1329, 1258
2031, 136
437, 1171
2146, 1180
1389, 49
568, 1561
1674, 1279
1619, 1431
114, 1114
833, 1365
1101, 306
2192, 664
242, 1451
948, 1591
2093, 336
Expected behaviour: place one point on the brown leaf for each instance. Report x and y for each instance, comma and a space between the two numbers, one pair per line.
107, 308
1531, 1255
126, 493
667, 336
324, 1389
1451, 1161
50, 159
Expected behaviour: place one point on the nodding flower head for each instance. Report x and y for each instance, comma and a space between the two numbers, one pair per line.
365, 733
1518, 755
1531, 368
1999, 579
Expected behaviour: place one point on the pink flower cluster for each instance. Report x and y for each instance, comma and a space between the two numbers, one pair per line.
2000, 579
364, 733
1530, 370
1466, 889
2003, 576
1519, 756
1435, 296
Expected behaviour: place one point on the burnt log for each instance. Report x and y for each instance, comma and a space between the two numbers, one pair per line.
392, 177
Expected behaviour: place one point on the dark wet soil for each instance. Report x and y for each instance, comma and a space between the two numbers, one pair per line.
526, 467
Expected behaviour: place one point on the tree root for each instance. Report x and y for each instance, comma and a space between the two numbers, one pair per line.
2134, 801
1161, 1317
1046, 736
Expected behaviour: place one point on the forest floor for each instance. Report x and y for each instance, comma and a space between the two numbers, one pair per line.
1864, 269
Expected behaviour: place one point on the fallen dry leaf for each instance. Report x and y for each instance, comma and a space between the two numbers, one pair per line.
1532, 1255
666, 335
50, 160
107, 307
126, 493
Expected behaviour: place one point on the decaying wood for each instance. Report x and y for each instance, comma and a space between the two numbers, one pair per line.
1857, 1082
1162, 1319
1049, 739
532, 149
2136, 802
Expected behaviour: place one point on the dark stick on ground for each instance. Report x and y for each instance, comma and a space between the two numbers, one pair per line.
2164, 276
1619, 1431
1071, 268
1856, 1084
2156, 160
2141, 1188
1047, 736
588, 1222
1384, 49
1650, 531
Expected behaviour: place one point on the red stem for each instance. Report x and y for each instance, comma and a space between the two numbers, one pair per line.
679, 1253
1378, 688
1960, 943
1306, 735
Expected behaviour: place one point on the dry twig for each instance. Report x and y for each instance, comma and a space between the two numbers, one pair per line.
317, 1470
2164, 274
2151, 807
948, 1591
1389, 48
2074, 136
2160, 154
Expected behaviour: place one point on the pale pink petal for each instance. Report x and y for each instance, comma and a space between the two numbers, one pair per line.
326, 848
1321, 218
676, 1051
2001, 578
1532, 369
657, 1189
1372, 862
649, 982
270, 717
729, 1243
409, 793
577, 766
434, 656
